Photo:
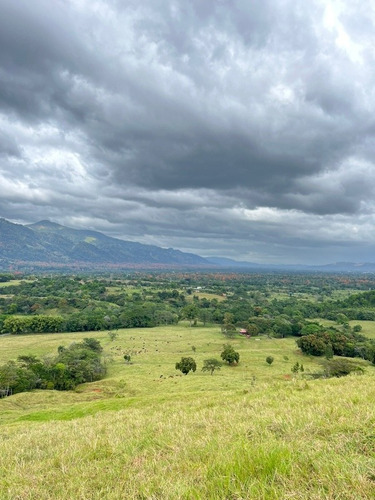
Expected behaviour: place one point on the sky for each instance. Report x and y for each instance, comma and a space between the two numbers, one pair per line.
236, 128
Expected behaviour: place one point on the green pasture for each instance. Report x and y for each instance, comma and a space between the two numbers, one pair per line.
343, 293
368, 327
251, 431
5, 284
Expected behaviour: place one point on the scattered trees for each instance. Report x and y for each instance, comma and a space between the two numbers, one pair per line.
78, 363
334, 342
143, 300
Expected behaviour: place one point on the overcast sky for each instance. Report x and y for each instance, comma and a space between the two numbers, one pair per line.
240, 128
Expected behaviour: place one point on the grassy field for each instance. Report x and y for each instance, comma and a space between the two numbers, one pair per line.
5, 284
146, 432
368, 327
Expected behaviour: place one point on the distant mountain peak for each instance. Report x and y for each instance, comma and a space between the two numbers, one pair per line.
48, 243
45, 224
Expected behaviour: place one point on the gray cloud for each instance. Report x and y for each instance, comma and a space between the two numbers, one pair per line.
235, 127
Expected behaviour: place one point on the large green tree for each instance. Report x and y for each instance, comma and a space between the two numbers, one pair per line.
186, 365
230, 355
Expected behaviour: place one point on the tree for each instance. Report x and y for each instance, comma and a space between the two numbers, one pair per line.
228, 328
127, 358
186, 365
341, 319
230, 355
190, 312
329, 352
282, 327
205, 316
210, 365
269, 360
73, 365
311, 329
252, 329
312, 344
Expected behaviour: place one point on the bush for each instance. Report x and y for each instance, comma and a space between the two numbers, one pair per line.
269, 360
341, 368
112, 335
297, 368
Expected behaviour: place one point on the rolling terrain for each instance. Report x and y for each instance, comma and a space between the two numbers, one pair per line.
47, 245
46, 242
146, 431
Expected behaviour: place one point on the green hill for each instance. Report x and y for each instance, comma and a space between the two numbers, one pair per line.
250, 431
50, 243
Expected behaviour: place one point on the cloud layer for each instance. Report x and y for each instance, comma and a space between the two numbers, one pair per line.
223, 127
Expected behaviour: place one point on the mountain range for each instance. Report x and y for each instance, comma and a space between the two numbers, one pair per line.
52, 244
336, 267
49, 245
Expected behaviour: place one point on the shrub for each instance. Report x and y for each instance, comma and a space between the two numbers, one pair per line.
269, 360
341, 368
112, 335
92, 344
297, 368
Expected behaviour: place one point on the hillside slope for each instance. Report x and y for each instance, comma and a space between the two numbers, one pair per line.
250, 431
48, 242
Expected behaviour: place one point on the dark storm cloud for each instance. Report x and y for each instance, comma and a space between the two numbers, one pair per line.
8, 146
168, 120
